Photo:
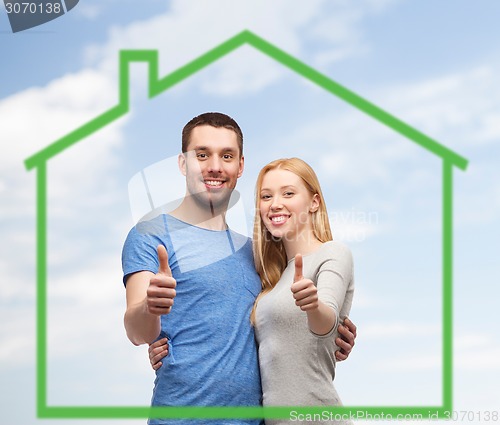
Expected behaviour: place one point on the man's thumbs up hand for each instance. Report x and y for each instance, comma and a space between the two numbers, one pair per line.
304, 291
161, 290
163, 260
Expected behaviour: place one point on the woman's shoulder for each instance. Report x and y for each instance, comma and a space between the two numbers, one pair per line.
335, 248
334, 256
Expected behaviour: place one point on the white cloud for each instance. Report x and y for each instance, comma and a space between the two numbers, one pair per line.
455, 109
172, 34
244, 71
354, 225
477, 352
37, 116
478, 192
460, 110
31, 120
364, 299
88, 11
16, 335
411, 363
325, 58
382, 330
352, 148
86, 305
473, 352
294, 27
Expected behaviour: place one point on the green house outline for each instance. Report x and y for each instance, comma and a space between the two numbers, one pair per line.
158, 86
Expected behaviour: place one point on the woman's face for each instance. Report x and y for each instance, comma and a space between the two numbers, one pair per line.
286, 205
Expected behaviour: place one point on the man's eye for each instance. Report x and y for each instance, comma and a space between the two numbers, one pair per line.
202, 155
227, 156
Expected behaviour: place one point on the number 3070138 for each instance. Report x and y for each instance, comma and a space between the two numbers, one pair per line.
32, 8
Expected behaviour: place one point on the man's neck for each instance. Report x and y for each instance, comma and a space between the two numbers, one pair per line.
205, 218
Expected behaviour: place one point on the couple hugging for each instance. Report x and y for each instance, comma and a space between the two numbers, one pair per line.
233, 321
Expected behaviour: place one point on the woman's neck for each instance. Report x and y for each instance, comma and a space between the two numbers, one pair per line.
303, 243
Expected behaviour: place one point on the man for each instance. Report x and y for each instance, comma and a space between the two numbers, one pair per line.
191, 255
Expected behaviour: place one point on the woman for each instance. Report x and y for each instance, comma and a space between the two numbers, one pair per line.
307, 289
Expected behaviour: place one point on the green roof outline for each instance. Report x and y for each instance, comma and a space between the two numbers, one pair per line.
157, 86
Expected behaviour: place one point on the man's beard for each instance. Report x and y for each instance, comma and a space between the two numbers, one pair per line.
217, 204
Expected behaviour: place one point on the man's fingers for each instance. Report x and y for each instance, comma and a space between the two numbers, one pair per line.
156, 359
161, 283
161, 292
157, 351
298, 268
345, 341
344, 349
159, 306
156, 346
346, 334
344, 346
352, 327
159, 311
339, 356
164, 268
162, 286
160, 302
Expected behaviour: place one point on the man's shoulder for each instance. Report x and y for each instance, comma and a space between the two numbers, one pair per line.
147, 232
153, 226
240, 236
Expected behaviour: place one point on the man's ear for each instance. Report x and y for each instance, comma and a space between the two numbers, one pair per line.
242, 166
181, 161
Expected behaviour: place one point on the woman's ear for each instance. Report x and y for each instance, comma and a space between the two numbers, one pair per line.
315, 203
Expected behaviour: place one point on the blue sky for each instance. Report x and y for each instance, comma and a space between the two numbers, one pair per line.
434, 65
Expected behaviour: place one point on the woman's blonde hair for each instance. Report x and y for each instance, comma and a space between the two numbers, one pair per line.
269, 252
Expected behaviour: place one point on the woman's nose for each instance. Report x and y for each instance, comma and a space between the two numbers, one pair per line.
276, 204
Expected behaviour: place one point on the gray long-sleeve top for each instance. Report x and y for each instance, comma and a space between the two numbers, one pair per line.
297, 366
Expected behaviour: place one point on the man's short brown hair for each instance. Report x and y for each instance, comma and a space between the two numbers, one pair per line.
214, 119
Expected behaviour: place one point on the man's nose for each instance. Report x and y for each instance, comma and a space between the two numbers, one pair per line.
215, 164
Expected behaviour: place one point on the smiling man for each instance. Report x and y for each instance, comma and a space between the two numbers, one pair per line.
190, 255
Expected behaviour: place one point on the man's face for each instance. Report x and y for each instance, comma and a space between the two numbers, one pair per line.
212, 166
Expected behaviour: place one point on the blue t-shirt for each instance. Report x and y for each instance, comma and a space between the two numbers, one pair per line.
212, 358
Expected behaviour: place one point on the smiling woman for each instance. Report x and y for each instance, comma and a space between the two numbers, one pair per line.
285, 204
307, 287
